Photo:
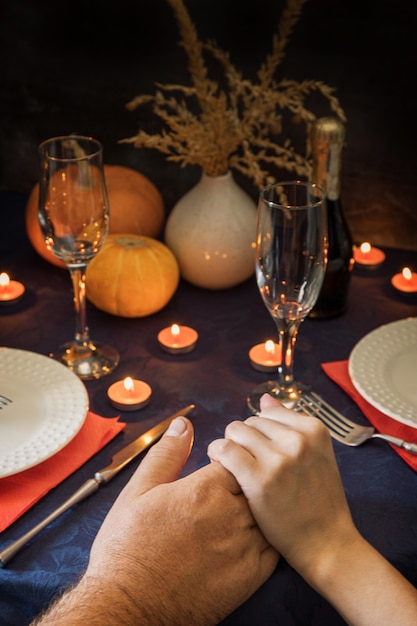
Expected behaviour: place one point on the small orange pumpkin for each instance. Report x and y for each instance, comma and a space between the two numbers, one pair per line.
132, 276
136, 207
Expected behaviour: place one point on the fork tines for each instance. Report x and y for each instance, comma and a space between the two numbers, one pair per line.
313, 405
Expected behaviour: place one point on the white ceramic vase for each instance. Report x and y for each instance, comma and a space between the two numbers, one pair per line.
212, 230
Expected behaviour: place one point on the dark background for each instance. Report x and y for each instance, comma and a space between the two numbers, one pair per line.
73, 66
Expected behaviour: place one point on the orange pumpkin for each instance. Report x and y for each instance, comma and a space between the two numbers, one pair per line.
136, 207
132, 276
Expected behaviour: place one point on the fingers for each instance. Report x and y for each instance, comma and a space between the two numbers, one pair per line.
233, 457
268, 401
225, 479
249, 446
275, 428
259, 447
165, 460
272, 409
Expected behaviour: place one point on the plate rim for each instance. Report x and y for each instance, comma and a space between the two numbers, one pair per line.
383, 329
62, 442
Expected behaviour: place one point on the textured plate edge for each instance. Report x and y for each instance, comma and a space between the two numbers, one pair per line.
364, 393
82, 388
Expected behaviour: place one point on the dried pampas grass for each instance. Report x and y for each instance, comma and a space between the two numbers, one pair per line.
240, 127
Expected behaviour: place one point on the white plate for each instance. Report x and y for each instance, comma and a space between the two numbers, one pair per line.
383, 368
42, 407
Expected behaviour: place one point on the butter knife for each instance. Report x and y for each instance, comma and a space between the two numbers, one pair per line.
102, 477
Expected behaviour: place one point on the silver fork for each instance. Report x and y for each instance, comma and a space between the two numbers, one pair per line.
341, 428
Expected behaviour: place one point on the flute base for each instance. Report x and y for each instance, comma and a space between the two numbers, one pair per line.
287, 396
88, 361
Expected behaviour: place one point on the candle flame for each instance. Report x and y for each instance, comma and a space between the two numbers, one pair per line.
128, 384
4, 279
270, 346
407, 274
175, 330
365, 247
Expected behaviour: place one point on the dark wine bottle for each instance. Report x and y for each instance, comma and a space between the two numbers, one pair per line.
327, 139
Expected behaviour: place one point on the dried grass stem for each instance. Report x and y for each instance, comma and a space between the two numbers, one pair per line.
240, 127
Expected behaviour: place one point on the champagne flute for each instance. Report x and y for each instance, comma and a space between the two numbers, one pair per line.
291, 256
74, 218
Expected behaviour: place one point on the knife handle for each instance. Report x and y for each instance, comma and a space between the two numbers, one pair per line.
88, 488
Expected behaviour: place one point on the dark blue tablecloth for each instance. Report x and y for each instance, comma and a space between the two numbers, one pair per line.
217, 376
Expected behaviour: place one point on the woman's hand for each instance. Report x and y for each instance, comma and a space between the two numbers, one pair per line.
285, 465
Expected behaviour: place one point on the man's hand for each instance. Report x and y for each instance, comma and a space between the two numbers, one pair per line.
171, 551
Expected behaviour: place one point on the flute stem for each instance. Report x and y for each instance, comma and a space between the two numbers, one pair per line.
82, 337
287, 334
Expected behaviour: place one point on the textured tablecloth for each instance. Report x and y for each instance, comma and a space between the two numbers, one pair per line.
217, 376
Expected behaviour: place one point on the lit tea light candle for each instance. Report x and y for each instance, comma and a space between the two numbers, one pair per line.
406, 281
265, 357
177, 339
10, 290
368, 256
129, 394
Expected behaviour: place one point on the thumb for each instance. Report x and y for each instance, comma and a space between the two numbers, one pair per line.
166, 458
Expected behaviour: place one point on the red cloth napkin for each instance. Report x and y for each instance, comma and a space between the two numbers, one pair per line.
21, 491
338, 371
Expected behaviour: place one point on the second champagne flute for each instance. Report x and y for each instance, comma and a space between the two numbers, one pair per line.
74, 217
291, 251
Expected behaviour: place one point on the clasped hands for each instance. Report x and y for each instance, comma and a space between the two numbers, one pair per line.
199, 532
191, 550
